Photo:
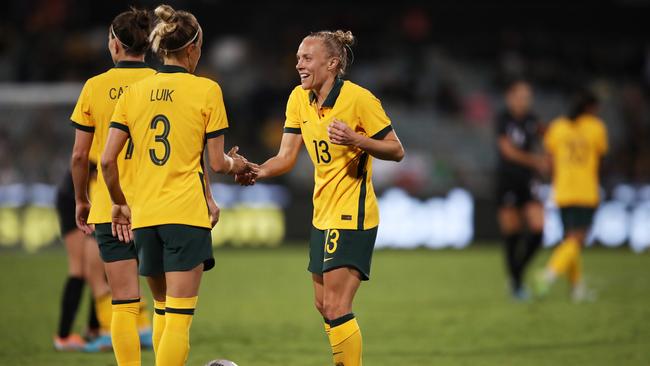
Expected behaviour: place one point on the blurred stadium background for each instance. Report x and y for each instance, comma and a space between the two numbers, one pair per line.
438, 68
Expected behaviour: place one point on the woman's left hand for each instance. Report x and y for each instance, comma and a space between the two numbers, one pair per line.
215, 211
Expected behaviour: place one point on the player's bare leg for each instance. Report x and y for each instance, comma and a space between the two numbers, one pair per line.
340, 287
319, 290
96, 277
74, 246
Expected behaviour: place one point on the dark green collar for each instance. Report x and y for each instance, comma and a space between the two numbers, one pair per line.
171, 69
130, 65
331, 97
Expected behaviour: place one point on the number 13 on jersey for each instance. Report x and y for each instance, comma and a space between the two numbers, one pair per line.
322, 151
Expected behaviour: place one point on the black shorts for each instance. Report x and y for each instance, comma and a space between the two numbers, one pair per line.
514, 192
111, 249
173, 248
65, 203
335, 248
65, 208
576, 217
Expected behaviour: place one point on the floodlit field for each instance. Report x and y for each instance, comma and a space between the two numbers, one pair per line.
421, 308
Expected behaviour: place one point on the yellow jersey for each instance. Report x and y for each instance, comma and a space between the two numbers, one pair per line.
169, 116
577, 147
344, 197
92, 113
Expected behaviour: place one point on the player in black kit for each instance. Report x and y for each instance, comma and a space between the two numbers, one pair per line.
518, 133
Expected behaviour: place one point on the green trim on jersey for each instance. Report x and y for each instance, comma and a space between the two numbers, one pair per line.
131, 65
381, 134
172, 69
363, 174
217, 133
294, 130
331, 97
120, 126
82, 127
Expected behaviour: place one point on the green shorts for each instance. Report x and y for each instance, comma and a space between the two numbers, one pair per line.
335, 248
576, 217
172, 248
111, 249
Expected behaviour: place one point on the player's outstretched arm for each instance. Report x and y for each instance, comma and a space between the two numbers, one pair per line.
387, 148
79, 168
286, 158
231, 163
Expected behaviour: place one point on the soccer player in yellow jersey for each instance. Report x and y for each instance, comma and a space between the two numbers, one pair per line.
169, 117
127, 42
576, 144
342, 126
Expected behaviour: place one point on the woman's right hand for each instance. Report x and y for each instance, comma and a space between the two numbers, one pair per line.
240, 165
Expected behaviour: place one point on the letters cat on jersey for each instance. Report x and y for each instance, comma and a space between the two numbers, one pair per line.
114, 93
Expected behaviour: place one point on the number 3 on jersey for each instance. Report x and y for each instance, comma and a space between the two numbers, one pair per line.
162, 138
332, 241
322, 151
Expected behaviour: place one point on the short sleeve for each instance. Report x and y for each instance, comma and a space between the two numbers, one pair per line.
81, 117
215, 113
292, 121
373, 118
120, 119
602, 142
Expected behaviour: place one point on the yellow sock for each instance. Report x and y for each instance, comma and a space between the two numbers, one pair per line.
104, 312
144, 318
124, 332
345, 339
174, 344
575, 271
326, 323
158, 323
563, 256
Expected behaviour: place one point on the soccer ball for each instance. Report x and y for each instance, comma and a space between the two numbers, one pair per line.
220, 363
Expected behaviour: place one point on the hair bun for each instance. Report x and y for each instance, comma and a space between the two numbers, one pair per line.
142, 19
166, 13
346, 38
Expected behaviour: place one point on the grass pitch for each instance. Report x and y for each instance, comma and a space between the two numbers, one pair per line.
420, 308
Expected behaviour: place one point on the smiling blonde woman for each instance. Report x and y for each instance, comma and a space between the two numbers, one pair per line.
343, 126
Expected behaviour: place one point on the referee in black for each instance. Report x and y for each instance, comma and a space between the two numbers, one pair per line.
519, 132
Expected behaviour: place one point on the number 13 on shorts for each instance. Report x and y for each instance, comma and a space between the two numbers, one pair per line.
331, 241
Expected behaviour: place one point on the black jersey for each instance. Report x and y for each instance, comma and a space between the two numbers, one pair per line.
523, 133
